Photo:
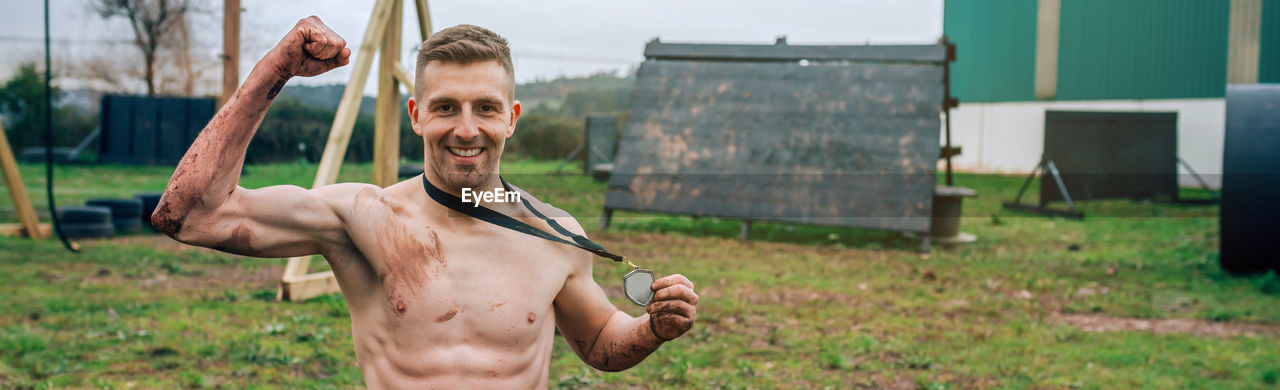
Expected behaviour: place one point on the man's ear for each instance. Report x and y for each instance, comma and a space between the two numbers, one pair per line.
515, 115
413, 115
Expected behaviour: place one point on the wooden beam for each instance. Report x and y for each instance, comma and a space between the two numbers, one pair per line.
386, 123
230, 49
402, 75
656, 49
424, 19
294, 268
14, 229
339, 136
349, 107
17, 190
301, 288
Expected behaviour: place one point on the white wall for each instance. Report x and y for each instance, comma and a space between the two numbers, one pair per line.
1009, 137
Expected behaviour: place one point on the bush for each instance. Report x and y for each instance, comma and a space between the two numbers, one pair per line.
22, 103
293, 130
544, 136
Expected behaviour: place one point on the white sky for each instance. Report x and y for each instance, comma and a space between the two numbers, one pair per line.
548, 38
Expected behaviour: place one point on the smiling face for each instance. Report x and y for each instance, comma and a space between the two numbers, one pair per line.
464, 113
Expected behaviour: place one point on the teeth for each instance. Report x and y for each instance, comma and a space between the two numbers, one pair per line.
465, 152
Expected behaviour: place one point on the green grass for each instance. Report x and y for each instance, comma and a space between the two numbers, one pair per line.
797, 306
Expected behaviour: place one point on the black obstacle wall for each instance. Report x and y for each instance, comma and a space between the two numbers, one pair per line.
602, 140
1104, 155
143, 130
1251, 179
831, 135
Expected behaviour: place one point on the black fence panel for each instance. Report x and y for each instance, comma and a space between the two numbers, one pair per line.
1251, 179
144, 130
602, 140
1106, 155
849, 137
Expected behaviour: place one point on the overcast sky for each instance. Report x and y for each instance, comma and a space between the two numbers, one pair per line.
548, 38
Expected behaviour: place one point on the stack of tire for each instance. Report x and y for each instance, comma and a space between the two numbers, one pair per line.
149, 200
124, 213
86, 222
101, 218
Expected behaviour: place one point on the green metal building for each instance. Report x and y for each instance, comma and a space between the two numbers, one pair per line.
1110, 49
1017, 58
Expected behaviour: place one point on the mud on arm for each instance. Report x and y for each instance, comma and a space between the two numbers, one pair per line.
203, 204
610, 340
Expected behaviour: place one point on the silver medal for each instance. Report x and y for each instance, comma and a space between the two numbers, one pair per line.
637, 285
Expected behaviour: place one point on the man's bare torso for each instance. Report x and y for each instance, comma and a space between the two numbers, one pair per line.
438, 299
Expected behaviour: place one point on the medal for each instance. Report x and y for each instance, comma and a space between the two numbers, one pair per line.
636, 284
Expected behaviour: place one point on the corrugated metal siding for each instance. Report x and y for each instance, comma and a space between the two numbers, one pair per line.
995, 49
1142, 49
1269, 50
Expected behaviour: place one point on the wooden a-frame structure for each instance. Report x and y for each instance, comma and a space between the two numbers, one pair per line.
382, 37
28, 223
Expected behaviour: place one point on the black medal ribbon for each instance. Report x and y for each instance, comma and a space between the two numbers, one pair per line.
489, 215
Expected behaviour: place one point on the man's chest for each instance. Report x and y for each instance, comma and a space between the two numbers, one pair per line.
479, 279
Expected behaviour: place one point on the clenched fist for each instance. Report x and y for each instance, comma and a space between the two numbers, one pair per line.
674, 307
311, 48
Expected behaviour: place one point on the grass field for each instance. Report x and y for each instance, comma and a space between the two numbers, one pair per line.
1131, 297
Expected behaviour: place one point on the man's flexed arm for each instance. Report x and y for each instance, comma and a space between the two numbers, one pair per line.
203, 205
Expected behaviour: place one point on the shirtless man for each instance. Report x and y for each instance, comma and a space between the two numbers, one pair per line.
437, 299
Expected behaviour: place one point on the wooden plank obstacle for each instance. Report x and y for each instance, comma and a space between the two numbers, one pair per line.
824, 135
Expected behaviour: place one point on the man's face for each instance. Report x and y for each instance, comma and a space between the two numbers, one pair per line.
464, 114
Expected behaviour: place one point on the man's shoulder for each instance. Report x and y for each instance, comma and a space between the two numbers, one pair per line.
350, 199
560, 216
342, 193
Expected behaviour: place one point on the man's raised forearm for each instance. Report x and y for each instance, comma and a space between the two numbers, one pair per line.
210, 170
623, 342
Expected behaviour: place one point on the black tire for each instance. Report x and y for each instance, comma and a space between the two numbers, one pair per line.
120, 208
128, 225
88, 230
149, 201
84, 214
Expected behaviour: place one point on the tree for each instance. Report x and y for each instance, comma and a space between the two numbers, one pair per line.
22, 105
22, 100
151, 21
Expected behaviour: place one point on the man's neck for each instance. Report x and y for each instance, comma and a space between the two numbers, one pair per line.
476, 194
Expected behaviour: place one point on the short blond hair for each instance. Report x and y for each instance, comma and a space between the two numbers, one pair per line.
466, 44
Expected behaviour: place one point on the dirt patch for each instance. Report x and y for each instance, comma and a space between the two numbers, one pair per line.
795, 296
1202, 328
204, 277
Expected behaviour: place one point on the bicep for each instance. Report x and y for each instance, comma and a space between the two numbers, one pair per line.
276, 221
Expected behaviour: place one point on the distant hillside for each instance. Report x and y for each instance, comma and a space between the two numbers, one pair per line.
551, 94
325, 97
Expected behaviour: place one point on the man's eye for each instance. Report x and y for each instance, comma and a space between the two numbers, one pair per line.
445, 108
488, 108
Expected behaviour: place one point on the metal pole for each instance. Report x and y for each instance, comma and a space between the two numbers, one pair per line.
947, 100
48, 136
1062, 188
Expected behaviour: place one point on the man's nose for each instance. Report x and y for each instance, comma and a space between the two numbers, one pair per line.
468, 128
